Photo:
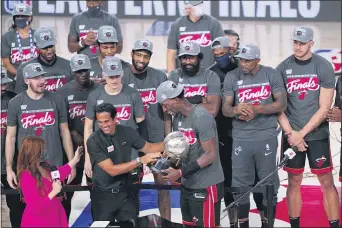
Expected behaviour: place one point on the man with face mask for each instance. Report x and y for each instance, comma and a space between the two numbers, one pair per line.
37, 112
57, 69
310, 84
201, 86
194, 26
254, 94
75, 94
84, 28
107, 42
17, 44
146, 80
15, 205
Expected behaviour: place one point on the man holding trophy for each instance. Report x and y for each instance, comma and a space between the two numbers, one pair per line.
197, 147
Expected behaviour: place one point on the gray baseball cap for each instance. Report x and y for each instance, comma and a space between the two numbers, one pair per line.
303, 34
189, 48
4, 78
193, 3
168, 90
107, 34
221, 42
112, 66
33, 70
80, 62
143, 45
44, 37
22, 9
249, 51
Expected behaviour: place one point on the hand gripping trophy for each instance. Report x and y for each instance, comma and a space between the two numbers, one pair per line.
176, 148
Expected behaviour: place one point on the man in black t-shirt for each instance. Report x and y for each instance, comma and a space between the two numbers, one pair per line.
110, 149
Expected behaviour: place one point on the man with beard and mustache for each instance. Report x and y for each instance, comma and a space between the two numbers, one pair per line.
57, 69
201, 86
75, 94
37, 112
84, 27
310, 82
15, 205
146, 80
254, 95
107, 42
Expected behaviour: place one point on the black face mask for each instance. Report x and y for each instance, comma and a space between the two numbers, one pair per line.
190, 70
94, 10
22, 22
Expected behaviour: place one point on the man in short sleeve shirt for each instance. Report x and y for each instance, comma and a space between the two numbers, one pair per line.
15, 205
195, 26
75, 94
310, 83
107, 41
110, 150
253, 95
201, 173
127, 101
40, 113
84, 28
146, 80
201, 86
57, 69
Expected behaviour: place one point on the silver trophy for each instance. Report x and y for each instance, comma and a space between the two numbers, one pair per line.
176, 148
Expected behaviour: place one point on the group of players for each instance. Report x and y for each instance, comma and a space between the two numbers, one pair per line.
217, 94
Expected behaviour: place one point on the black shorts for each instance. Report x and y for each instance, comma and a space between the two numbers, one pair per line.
111, 205
319, 156
201, 207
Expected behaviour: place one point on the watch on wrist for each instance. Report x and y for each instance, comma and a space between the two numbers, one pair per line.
138, 161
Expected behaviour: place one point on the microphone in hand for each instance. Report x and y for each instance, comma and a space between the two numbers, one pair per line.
288, 154
55, 176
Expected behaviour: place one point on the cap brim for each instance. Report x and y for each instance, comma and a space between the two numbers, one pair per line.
192, 54
300, 40
6, 80
243, 57
81, 68
47, 44
114, 73
40, 73
142, 49
108, 41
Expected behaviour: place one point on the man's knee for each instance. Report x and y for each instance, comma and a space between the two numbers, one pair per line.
243, 211
326, 180
295, 180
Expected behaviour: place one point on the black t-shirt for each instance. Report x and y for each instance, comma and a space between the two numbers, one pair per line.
224, 124
118, 148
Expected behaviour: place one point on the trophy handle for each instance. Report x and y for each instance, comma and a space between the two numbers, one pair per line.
178, 160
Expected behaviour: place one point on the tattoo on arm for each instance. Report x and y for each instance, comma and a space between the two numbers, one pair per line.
279, 105
227, 106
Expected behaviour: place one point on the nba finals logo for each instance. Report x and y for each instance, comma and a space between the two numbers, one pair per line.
9, 4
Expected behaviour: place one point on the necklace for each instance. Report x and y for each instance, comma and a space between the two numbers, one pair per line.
32, 48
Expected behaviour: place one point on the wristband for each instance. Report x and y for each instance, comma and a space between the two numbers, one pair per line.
80, 44
190, 169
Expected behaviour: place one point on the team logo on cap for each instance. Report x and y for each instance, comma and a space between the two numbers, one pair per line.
244, 50
45, 35
187, 48
300, 32
145, 43
79, 62
108, 32
112, 67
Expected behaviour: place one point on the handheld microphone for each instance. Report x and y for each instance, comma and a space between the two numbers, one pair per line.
289, 154
55, 176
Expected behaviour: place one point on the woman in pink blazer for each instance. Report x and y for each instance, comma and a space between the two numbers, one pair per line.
43, 208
